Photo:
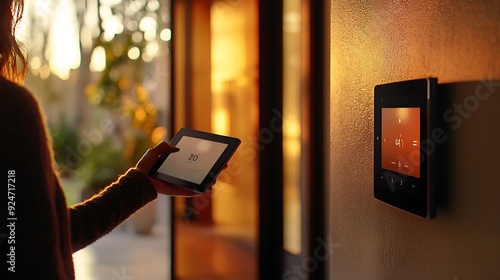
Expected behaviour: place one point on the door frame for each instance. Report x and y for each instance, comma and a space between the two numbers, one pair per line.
274, 261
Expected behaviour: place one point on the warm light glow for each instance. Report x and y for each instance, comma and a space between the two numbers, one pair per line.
90, 29
112, 25
134, 53
228, 47
292, 22
44, 72
292, 130
148, 25
150, 35
64, 41
292, 149
228, 61
151, 109
153, 5
111, 2
158, 134
132, 7
291, 222
220, 121
152, 49
234, 111
105, 10
141, 94
86, 38
35, 63
140, 114
98, 59
166, 34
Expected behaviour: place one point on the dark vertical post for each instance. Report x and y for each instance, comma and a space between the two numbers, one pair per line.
270, 139
318, 130
170, 132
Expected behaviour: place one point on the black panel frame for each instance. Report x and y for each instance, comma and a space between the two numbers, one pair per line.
414, 195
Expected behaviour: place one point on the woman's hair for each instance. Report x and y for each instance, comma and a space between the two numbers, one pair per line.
12, 60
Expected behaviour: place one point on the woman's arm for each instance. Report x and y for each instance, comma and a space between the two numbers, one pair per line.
104, 211
100, 214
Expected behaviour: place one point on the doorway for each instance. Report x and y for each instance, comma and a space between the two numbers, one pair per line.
215, 86
256, 70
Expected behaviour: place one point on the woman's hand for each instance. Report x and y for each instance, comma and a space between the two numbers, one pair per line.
147, 162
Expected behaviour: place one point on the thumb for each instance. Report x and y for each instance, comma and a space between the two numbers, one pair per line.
152, 155
162, 148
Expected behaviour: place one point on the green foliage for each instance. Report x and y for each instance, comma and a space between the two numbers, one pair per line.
141, 26
102, 166
64, 135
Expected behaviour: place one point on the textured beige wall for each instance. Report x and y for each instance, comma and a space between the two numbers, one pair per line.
374, 42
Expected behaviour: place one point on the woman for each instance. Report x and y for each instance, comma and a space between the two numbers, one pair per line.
42, 231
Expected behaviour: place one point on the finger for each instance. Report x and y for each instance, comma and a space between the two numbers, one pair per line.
153, 154
162, 148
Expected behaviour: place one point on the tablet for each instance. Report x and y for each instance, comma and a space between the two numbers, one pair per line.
404, 145
200, 159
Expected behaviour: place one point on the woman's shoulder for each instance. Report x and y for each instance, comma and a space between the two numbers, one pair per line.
21, 121
15, 97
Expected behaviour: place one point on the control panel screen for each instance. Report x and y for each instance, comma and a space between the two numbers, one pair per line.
401, 140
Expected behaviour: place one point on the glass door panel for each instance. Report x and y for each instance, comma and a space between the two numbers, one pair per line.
292, 127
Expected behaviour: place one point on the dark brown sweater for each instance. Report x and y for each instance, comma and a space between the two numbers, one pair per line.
44, 232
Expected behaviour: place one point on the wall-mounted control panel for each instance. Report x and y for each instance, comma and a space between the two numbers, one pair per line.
403, 145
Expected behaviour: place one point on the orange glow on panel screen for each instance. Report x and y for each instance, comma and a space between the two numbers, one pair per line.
401, 140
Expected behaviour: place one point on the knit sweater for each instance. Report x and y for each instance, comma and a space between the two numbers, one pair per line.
42, 232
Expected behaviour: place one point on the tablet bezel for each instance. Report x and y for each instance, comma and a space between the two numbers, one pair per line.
232, 145
412, 194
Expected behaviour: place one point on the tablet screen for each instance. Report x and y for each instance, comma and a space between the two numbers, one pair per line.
194, 160
401, 140
200, 159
